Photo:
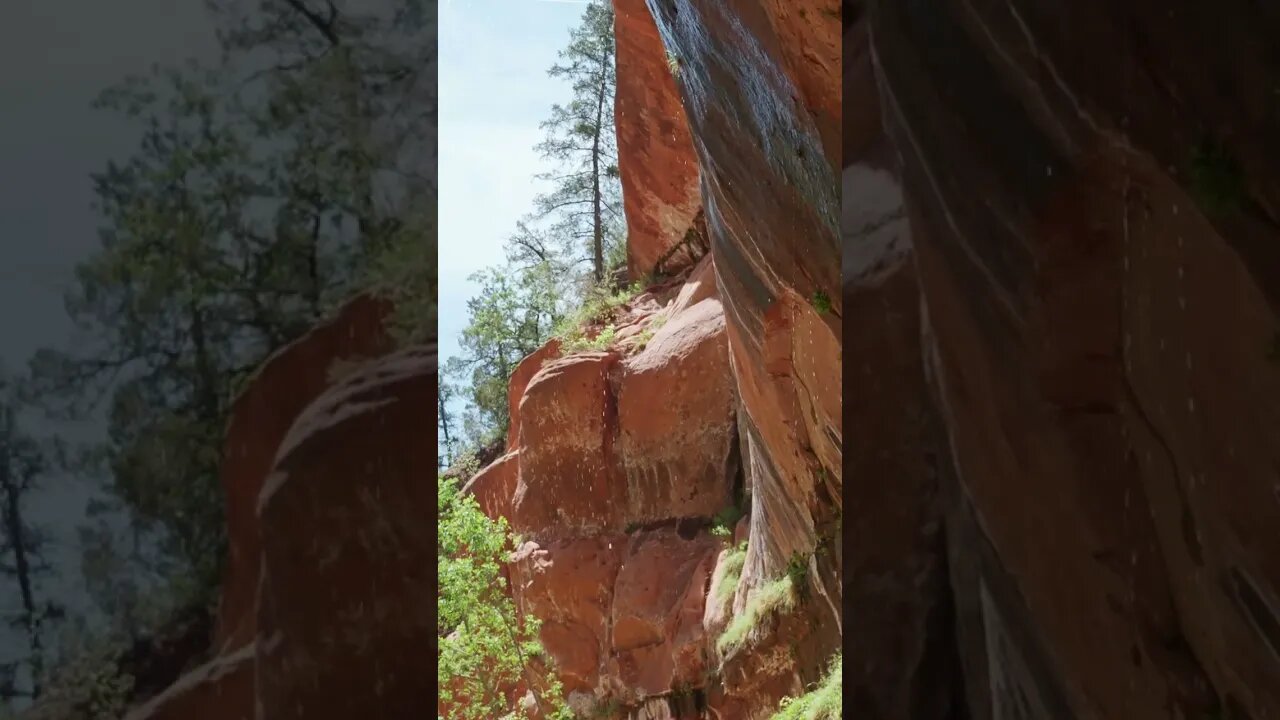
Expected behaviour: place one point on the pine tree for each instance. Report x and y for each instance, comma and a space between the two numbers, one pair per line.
584, 203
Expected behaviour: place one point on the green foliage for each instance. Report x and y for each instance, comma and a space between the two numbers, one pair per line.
821, 703
264, 190
726, 520
601, 305
642, 339
798, 569
584, 205
403, 270
821, 302
90, 685
1216, 180
512, 316
485, 645
581, 343
762, 603
728, 573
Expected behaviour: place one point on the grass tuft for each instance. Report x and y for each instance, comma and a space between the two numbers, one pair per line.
821, 703
600, 306
729, 573
763, 602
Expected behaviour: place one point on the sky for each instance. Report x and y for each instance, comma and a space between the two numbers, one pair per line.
55, 56
494, 91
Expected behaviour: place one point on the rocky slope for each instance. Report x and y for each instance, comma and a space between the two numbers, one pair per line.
1088, 197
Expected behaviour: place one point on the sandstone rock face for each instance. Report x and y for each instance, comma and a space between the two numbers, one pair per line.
760, 83
622, 458
260, 417
344, 615
1091, 197
656, 161
608, 441
676, 432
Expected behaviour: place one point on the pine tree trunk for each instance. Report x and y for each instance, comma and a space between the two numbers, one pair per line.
596, 181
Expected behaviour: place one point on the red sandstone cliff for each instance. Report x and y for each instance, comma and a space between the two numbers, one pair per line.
1088, 196
618, 461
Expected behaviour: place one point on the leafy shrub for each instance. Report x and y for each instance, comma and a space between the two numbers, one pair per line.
673, 64
485, 643
581, 343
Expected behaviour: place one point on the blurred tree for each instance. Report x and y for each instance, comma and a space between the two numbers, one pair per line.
264, 191
23, 462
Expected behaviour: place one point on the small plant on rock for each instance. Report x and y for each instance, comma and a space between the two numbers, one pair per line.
821, 302
1216, 181
798, 569
728, 573
673, 64
725, 521
821, 703
762, 603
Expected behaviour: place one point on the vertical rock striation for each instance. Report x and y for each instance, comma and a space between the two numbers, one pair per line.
1092, 201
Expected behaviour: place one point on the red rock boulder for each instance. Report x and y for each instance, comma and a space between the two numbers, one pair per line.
677, 439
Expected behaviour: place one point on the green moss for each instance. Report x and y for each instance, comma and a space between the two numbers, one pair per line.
1216, 181
821, 703
821, 302
763, 602
728, 573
